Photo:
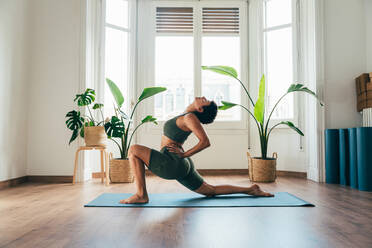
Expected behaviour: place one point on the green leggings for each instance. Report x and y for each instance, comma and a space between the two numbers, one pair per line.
168, 165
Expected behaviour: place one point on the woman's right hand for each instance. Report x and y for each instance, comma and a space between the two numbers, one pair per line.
176, 149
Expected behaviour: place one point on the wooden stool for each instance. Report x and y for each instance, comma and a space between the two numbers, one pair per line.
104, 161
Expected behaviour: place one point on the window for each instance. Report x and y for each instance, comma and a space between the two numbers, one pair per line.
174, 60
279, 51
117, 54
221, 46
187, 37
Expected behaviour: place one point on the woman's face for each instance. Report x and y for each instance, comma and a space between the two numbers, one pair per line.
200, 102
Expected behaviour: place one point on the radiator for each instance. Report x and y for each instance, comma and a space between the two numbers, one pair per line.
367, 117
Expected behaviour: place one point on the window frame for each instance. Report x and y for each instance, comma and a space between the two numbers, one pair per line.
296, 61
242, 124
130, 93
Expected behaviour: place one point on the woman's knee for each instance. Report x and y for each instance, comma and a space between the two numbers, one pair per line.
133, 150
206, 189
140, 152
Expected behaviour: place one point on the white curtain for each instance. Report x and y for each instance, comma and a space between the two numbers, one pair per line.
92, 46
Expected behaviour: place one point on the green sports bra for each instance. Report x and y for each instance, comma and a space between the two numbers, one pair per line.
172, 131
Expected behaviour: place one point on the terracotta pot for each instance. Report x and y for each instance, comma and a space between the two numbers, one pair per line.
95, 136
120, 171
262, 170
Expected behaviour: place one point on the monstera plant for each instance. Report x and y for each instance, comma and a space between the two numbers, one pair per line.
119, 125
258, 114
77, 122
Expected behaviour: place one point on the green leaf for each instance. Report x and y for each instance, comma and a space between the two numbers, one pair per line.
86, 98
82, 132
74, 121
115, 91
228, 71
74, 135
115, 127
98, 105
148, 92
259, 108
226, 105
224, 70
149, 118
124, 115
292, 126
302, 88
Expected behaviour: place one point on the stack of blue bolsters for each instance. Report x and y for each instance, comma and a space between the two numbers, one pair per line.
348, 157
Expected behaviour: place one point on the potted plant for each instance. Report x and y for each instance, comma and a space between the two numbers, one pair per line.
118, 127
87, 126
261, 169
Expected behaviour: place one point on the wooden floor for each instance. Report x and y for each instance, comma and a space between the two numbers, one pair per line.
52, 215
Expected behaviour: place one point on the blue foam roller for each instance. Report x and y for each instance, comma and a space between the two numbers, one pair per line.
332, 156
353, 162
364, 145
344, 156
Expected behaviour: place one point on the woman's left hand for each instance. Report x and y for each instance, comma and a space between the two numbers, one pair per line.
176, 149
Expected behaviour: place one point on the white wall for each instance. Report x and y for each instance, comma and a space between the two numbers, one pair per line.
345, 59
368, 13
13, 89
54, 76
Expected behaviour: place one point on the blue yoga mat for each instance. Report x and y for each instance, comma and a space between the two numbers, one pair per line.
188, 200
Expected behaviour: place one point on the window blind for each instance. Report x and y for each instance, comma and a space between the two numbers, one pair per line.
174, 20
221, 20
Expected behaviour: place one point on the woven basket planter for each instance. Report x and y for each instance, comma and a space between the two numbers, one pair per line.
262, 170
95, 136
120, 171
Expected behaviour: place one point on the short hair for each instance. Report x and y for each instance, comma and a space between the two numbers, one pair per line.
209, 113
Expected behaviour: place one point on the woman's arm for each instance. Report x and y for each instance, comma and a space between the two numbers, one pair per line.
193, 123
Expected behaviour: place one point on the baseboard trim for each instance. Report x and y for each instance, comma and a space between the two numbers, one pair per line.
13, 182
205, 172
50, 179
291, 174
221, 172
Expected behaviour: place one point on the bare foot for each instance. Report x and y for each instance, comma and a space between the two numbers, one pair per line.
136, 199
256, 190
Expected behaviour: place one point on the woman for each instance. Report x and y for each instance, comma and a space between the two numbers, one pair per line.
172, 162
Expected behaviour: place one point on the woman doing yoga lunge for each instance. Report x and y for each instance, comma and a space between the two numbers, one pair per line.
172, 162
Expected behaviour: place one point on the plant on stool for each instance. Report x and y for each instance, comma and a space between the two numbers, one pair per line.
76, 121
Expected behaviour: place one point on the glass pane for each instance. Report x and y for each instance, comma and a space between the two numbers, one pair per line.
174, 61
117, 12
221, 50
278, 12
279, 71
116, 65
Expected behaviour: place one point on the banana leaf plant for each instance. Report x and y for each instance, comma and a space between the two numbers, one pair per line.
119, 124
76, 121
258, 114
